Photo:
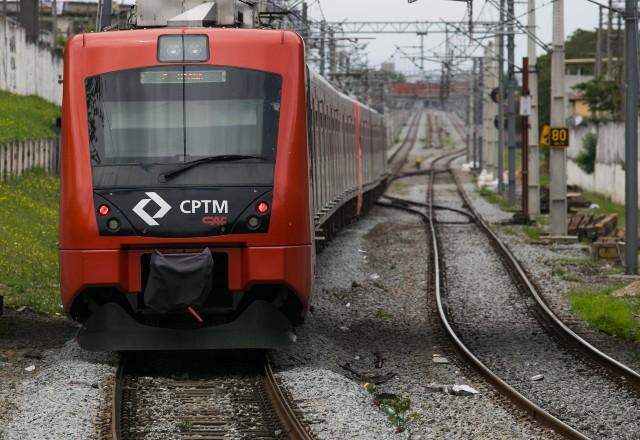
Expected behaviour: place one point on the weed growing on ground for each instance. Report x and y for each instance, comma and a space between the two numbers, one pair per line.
28, 236
26, 117
532, 232
382, 315
496, 199
184, 425
616, 316
394, 407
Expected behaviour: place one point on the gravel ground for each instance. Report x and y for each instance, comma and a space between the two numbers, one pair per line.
371, 309
494, 320
61, 399
540, 261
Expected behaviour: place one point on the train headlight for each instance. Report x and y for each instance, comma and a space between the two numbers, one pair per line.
179, 48
253, 223
104, 210
113, 225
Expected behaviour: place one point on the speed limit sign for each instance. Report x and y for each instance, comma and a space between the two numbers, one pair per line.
559, 137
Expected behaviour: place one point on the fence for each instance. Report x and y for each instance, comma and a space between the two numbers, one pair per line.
27, 68
608, 177
18, 157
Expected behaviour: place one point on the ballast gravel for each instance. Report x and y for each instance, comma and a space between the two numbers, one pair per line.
372, 309
494, 320
540, 259
60, 399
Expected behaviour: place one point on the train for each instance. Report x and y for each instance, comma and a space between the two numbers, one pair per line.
201, 168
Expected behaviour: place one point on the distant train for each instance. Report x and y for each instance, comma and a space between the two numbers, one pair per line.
199, 166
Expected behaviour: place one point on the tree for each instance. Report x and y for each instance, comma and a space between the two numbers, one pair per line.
602, 96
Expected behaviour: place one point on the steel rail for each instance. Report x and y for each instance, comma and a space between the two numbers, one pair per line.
535, 411
407, 143
613, 365
287, 417
291, 423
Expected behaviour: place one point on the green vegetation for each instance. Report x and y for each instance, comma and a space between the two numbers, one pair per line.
532, 232
28, 236
616, 316
26, 117
184, 425
382, 315
586, 158
604, 98
607, 206
395, 410
496, 199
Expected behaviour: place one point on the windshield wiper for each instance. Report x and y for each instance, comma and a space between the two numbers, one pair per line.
168, 175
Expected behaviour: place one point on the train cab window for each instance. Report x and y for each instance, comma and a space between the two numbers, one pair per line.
142, 122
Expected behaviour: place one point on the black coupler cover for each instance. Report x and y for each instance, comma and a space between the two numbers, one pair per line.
177, 281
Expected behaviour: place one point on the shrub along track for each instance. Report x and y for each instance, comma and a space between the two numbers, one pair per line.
500, 324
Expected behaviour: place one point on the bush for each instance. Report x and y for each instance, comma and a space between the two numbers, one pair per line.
586, 158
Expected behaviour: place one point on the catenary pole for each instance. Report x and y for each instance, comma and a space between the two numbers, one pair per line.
511, 102
558, 156
534, 157
501, 98
631, 136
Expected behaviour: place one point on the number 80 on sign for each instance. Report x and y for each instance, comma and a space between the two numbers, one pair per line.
559, 137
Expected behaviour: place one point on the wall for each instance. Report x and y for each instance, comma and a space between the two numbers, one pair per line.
27, 68
18, 157
608, 177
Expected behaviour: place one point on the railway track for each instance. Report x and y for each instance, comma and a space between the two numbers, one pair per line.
201, 397
617, 377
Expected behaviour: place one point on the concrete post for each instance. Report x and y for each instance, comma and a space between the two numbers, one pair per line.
489, 109
558, 156
534, 153
631, 136
501, 96
511, 103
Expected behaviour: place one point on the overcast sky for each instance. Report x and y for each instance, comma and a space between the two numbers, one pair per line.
578, 14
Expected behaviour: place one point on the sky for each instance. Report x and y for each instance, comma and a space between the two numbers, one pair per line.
578, 14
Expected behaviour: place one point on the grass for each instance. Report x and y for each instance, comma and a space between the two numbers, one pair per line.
26, 117
28, 236
496, 199
616, 316
607, 206
533, 232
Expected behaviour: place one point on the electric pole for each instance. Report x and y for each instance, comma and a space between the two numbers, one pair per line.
323, 30
474, 100
609, 29
489, 109
558, 156
534, 158
631, 136
598, 71
501, 98
511, 103
480, 101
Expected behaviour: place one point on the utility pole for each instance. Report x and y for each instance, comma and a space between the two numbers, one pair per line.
631, 136
534, 154
501, 98
609, 29
333, 61
558, 156
323, 31
598, 71
54, 22
474, 99
467, 118
480, 100
525, 139
511, 103
489, 109
422, 35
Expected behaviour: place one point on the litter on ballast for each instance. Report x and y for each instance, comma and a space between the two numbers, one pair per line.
30, 368
537, 377
464, 390
375, 276
440, 360
344, 328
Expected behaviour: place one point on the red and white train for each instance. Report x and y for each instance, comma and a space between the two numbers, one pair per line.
199, 165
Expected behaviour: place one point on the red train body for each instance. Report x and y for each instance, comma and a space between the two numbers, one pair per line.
219, 172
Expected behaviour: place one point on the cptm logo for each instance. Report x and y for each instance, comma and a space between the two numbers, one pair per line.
148, 219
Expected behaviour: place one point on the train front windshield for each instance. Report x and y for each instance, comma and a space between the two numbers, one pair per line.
144, 122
